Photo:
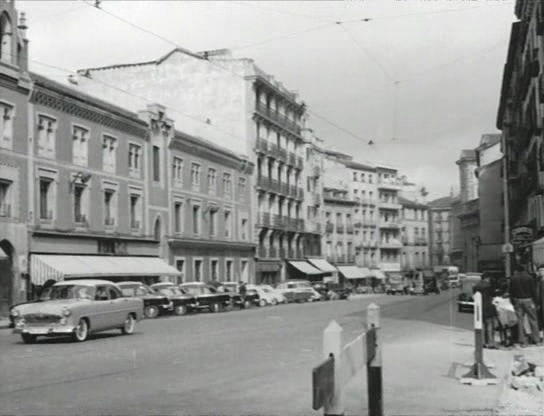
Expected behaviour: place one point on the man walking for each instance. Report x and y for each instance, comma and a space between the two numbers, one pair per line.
489, 312
523, 295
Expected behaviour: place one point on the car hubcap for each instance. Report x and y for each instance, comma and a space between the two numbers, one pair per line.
129, 324
81, 331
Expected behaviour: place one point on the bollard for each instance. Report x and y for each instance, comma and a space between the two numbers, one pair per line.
374, 364
332, 344
479, 374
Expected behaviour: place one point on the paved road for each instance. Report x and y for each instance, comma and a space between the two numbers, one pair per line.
257, 361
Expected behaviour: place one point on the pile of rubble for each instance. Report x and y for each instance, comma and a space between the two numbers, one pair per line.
524, 394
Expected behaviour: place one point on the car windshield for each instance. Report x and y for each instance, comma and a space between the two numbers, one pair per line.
171, 291
194, 289
130, 291
74, 291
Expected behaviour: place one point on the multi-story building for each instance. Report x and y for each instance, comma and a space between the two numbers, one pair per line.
491, 202
440, 230
520, 117
15, 87
389, 219
415, 231
364, 191
240, 107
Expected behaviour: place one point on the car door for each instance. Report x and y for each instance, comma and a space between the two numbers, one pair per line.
102, 308
120, 308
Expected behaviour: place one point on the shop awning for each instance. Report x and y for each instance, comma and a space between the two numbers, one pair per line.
322, 265
378, 274
45, 267
353, 272
305, 267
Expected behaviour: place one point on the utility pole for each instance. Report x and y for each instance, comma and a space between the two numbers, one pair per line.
507, 258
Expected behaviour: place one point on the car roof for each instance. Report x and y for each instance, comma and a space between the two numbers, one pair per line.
85, 282
193, 284
131, 283
162, 284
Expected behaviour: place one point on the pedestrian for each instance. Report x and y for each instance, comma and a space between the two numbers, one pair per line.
489, 312
523, 294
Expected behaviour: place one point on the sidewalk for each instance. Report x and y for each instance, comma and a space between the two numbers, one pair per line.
4, 322
421, 371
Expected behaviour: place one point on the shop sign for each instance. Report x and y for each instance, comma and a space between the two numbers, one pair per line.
522, 235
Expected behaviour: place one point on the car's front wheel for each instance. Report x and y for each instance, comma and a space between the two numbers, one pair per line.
151, 312
215, 307
128, 325
81, 333
28, 338
246, 304
180, 310
262, 302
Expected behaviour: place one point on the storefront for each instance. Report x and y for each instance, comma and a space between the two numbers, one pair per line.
327, 268
356, 276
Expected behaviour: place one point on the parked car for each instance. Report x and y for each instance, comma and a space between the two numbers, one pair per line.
154, 303
182, 301
323, 290
431, 286
276, 294
395, 283
250, 298
297, 291
78, 308
207, 297
266, 297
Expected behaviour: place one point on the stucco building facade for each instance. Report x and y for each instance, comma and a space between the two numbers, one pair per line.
415, 232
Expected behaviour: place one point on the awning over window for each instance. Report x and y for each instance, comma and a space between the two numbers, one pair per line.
353, 272
378, 274
305, 267
46, 267
322, 265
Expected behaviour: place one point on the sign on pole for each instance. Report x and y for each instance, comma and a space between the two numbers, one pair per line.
507, 248
323, 383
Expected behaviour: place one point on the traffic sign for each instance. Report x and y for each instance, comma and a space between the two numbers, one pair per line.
507, 248
323, 383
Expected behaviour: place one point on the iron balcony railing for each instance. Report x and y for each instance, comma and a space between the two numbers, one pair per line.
262, 252
340, 228
263, 219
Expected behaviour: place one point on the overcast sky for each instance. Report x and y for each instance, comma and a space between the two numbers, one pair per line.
421, 79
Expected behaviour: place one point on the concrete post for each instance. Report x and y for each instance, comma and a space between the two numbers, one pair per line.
374, 367
332, 343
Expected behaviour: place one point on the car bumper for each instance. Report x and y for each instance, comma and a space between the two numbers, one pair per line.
465, 305
44, 329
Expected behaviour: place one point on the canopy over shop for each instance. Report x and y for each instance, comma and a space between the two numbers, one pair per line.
304, 270
58, 267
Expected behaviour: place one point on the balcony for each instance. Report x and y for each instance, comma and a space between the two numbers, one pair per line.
262, 252
263, 181
390, 205
369, 222
273, 149
278, 118
282, 153
291, 224
291, 253
390, 184
329, 228
317, 199
300, 225
300, 193
367, 201
262, 145
390, 224
263, 219
291, 159
109, 221
135, 224
5, 210
392, 243
349, 229
277, 221
421, 241
273, 252
274, 185
300, 162
284, 188
340, 228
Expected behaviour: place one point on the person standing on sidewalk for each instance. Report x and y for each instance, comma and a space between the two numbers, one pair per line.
489, 312
523, 295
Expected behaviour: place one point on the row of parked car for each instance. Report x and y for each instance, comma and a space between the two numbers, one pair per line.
81, 307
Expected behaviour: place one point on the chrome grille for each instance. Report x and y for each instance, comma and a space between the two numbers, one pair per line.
41, 318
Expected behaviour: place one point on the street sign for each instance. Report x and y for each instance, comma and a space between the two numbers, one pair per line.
323, 383
507, 248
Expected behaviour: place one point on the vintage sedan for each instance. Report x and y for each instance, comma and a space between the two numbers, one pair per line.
78, 308
182, 301
154, 303
207, 298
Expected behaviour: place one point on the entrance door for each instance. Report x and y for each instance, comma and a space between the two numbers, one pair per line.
6, 276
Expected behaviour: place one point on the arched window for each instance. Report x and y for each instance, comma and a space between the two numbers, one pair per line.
157, 229
5, 38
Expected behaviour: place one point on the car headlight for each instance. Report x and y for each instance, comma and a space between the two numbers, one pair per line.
66, 312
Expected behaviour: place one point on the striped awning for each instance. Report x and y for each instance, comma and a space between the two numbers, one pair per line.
353, 272
322, 264
305, 267
44, 267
